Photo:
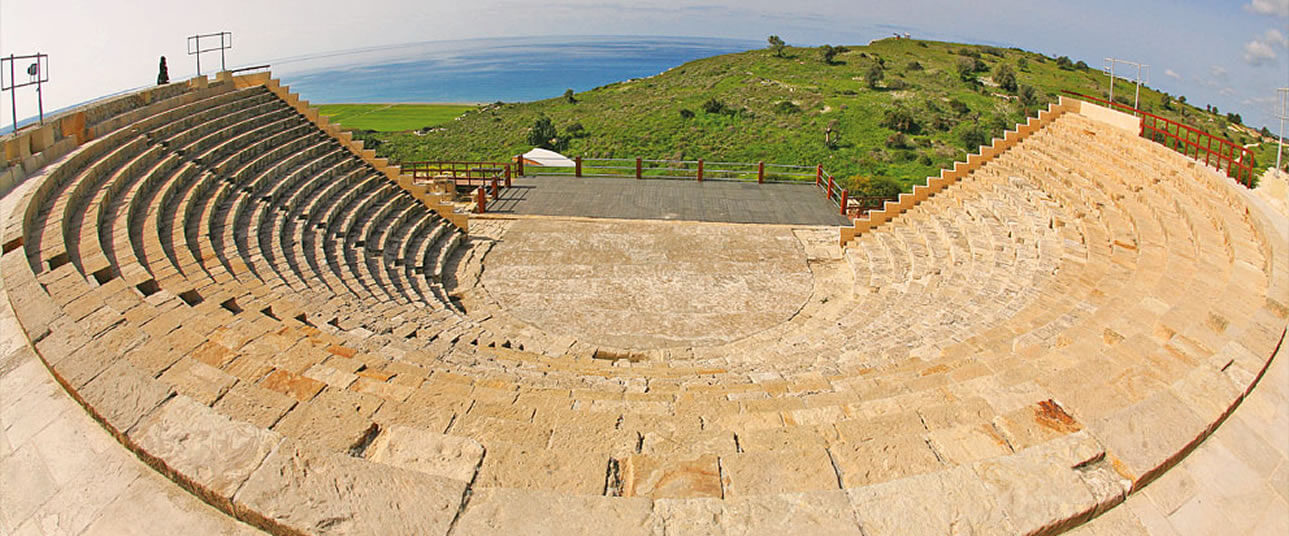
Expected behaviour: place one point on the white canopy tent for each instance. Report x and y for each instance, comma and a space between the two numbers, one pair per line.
545, 157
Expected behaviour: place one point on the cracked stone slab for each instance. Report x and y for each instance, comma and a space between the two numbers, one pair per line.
457, 458
1146, 437
206, 451
655, 477
823, 513
512, 511
944, 502
121, 395
304, 490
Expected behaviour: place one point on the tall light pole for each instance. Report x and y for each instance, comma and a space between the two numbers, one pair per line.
195, 47
37, 74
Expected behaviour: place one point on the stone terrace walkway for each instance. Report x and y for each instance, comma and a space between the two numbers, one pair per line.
657, 199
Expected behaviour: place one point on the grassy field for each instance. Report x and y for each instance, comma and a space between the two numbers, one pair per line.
776, 109
392, 117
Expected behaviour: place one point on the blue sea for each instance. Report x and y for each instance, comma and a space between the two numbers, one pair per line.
488, 70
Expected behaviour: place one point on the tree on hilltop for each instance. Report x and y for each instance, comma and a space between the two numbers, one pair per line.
830, 53
776, 45
568, 96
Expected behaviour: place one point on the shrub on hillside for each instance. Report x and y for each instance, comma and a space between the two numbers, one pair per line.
972, 136
686, 113
874, 76
900, 120
993, 51
1064, 63
897, 141
786, 107
830, 53
878, 186
1005, 77
914, 66
714, 106
1028, 97
544, 135
958, 107
1022, 63
897, 83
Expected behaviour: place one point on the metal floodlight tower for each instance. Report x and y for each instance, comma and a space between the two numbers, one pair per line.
1141, 69
1284, 115
195, 46
37, 74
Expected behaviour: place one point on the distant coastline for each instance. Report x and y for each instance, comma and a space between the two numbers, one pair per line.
480, 71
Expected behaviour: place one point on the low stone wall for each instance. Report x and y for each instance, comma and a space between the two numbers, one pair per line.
947, 177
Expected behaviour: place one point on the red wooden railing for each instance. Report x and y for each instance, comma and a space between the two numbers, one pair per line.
467, 174
484, 180
1222, 154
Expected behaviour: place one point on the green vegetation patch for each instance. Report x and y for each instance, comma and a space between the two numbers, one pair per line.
392, 117
890, 113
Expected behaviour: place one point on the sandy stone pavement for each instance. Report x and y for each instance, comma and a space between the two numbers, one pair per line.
645, 285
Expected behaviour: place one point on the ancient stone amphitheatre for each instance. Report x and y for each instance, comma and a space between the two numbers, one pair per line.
312, 343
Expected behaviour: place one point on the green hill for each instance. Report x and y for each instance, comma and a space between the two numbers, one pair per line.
757, 106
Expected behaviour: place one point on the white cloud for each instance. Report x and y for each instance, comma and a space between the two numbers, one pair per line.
1269, 7
1172, 74
1259, 53
1262, 50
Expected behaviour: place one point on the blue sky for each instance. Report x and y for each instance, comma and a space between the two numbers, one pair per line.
1231, 53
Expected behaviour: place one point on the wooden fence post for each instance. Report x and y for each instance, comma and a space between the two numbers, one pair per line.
844, 195
577, 161
507, 175
520, 169
700, 170
760, 172
638, 168
481, 201
819, 174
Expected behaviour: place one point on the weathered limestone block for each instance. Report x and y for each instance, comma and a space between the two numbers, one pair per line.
313, 492
1039, 488
335, 420
880, 459
1147, 437
545, 513
656, 477
763, 473
825, 513
198, 380
121, 395
34, 308
944, 502
457, 458
572, 473
254, 404
207, 452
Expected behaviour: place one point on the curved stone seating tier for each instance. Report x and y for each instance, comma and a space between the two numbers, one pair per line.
277, 326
